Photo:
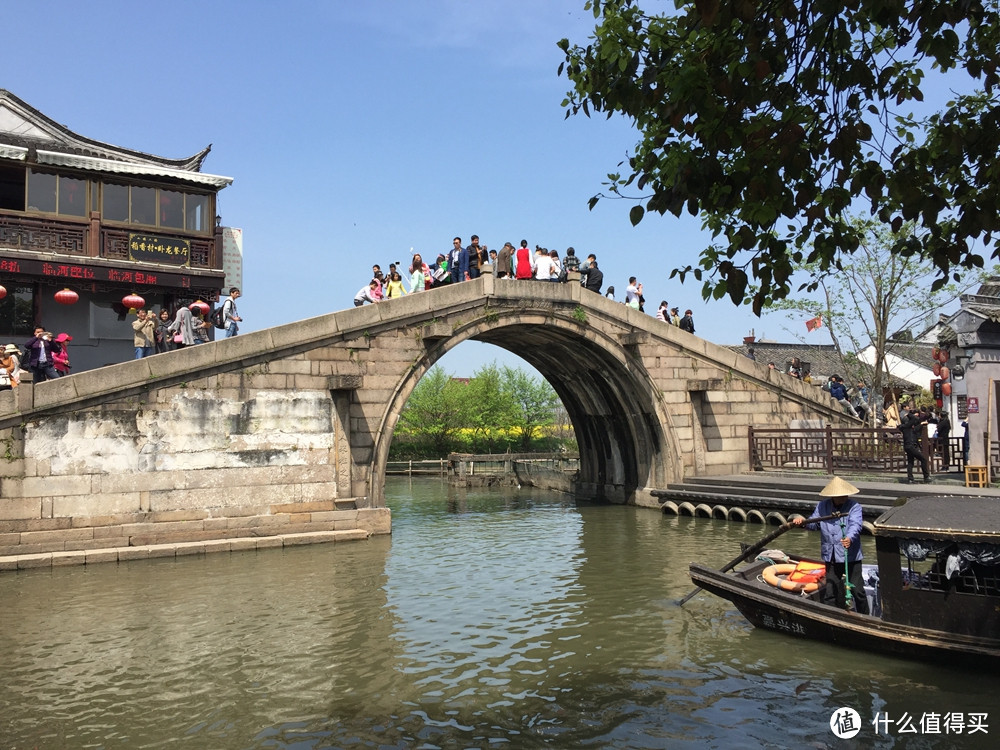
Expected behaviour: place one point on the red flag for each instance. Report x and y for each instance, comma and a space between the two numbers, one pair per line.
812, 325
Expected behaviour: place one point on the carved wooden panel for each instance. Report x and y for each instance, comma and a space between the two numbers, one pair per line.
43, 235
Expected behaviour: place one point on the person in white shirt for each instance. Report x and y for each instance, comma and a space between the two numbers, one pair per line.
632, 293
543, 265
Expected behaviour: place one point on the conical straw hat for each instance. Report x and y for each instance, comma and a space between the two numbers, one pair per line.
838, 488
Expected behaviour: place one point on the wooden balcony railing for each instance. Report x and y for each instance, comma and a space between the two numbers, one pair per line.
44, 235
76, 239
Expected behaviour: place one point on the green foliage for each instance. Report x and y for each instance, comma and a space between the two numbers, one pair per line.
435, 411
533, 404
486, 409
773, 120
497, 410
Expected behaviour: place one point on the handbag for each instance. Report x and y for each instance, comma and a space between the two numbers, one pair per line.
178, 339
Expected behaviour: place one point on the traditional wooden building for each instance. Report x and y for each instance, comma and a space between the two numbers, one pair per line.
104, 222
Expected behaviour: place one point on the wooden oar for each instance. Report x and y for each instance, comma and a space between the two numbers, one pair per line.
753, 550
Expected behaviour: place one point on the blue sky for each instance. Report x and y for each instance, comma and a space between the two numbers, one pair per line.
355, 131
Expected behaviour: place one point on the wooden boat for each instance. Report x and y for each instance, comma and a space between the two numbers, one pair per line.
936, 594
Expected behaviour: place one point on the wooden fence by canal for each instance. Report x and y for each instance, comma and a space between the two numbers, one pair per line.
845, 449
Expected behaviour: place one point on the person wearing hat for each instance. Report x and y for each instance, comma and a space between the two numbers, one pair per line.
60, 359
840, 537
10, 367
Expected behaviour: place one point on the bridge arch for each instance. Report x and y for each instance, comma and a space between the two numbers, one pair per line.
290, 427
625, 435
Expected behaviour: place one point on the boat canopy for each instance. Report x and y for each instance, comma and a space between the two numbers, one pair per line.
953, 519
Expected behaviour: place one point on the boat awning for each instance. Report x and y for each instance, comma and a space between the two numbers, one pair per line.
95, 164
955, 518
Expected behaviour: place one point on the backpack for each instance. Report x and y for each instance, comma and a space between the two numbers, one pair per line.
218, 316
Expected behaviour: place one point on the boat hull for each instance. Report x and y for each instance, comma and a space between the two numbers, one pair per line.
772, 609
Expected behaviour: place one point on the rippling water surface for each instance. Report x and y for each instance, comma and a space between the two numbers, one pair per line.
489, 619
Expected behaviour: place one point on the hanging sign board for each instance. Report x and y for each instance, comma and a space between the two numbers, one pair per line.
150, 248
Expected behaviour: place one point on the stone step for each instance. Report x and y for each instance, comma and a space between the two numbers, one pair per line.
44, 536
176, 549
797, 493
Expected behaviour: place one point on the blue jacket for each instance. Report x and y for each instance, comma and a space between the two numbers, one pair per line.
838, 391
830, 534
458, 262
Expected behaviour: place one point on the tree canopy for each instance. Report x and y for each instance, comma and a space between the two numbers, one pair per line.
498, 409
775, 120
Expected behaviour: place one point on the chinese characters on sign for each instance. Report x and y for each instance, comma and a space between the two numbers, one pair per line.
973, 405
149, 248
85, 273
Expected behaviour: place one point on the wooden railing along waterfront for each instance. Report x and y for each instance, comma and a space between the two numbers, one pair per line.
834, 449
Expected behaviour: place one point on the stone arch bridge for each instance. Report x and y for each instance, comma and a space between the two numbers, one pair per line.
286, 431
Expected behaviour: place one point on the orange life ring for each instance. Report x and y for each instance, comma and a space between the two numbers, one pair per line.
779, 575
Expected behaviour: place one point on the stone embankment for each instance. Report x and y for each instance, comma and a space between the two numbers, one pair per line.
53, 542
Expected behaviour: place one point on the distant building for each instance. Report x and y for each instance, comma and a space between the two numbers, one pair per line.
104, 222
972, 337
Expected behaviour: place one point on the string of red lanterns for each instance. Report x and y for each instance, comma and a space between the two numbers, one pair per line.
941, 388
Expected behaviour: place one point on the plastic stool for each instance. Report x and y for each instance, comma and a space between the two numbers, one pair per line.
975, 476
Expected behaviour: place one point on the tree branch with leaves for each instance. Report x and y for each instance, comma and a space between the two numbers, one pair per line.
774, 120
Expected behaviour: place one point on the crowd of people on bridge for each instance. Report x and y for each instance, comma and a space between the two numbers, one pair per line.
465, 263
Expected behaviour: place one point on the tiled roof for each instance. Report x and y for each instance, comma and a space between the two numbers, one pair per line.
822, 360
24, 127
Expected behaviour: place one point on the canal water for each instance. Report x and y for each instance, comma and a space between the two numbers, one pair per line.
494, 618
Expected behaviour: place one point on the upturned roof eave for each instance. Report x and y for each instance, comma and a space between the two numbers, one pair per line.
67, 141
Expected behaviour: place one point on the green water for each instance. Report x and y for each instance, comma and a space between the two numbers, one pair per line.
493, 618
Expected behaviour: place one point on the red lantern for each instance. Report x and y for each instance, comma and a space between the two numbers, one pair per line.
944, 355
946, 389
133, 302
67, 297
945, 372
936, 353
3, 292
200, 308
936, 368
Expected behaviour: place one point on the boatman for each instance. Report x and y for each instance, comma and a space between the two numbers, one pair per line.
840, 536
